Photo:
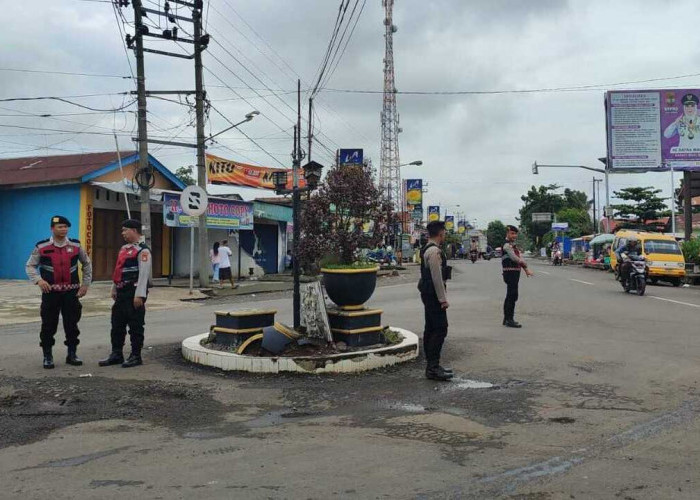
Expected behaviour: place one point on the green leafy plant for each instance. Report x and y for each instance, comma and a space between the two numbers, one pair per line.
346, 214
691, 250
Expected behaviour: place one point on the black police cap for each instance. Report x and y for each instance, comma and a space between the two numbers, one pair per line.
132, 224
59, 219
688, 98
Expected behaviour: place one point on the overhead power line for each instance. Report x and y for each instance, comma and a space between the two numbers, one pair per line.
65, 73
597, 86
112, 110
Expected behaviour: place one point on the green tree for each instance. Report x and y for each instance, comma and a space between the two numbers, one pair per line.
185, 175
578, 219
644, 203
495, 233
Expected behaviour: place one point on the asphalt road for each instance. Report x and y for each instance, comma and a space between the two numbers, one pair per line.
596, 397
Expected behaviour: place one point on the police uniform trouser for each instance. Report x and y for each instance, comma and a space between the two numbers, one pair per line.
125, 314
435, 329
511, 278
69, 307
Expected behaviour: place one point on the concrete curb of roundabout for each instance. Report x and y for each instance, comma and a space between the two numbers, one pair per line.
347, 362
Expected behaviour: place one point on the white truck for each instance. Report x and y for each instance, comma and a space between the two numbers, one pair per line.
477, 238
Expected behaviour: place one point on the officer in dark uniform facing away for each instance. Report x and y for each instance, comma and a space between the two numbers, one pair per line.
434, 271
130, 288
57, 260
512, 263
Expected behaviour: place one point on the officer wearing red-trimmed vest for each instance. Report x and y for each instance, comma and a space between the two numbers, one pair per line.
53, 267
512, 262
129, 290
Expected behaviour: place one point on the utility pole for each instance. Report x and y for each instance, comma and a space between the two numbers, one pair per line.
594, 201
144, 176
687, 205
296, 202
144, 170
308, 152
200, 96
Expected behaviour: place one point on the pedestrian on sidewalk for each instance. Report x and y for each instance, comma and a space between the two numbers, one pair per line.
512, 263
215, 258
131, 279
434, 272
56, 259
225, 264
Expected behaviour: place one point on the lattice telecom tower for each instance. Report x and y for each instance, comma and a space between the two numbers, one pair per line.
389, 170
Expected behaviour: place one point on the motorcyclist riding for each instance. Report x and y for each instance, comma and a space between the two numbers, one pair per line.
623, 254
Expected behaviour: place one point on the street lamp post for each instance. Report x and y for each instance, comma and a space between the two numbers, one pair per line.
203, 231
536, 166
312, 174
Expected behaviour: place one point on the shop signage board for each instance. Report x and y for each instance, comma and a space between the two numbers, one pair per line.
653, 130
222, 171
221, 213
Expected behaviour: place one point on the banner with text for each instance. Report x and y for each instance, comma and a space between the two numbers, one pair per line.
651, 130
433, 213
221, 213
461, 227
223, 171
450, 223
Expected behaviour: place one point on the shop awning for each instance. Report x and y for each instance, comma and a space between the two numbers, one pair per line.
272, 211
602, 239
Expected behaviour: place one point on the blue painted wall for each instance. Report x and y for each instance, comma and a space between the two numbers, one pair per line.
25, 218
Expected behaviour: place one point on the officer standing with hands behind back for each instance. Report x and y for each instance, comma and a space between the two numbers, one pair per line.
434, 271
130, 288
56, 259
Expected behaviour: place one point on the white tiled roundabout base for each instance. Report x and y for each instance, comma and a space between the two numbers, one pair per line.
347, 362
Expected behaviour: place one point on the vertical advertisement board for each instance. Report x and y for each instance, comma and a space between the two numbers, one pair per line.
450, 223
433, 213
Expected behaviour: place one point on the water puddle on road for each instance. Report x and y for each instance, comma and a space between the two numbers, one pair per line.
459, 384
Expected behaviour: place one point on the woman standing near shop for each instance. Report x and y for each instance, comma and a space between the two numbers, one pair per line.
215, 258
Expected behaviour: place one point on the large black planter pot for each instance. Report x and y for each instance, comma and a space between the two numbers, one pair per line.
350, 288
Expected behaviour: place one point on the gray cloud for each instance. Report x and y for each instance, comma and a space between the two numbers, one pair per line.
477, 150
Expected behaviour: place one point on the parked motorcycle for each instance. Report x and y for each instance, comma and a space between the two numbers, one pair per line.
638, 274
556, 258
473, 256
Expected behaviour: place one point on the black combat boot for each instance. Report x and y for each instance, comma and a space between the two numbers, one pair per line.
435, 372
48, 358
115, 358
511, 323
72, 357
134, 359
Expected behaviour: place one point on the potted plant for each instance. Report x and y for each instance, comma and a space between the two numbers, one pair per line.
344, 216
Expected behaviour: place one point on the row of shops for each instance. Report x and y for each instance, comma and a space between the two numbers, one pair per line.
92, 191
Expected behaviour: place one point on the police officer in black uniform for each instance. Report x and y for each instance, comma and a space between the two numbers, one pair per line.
512, 263
434, 271
129, 290
53, 267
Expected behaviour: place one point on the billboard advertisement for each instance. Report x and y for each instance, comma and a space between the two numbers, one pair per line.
450, 223
650, 130
462, 227
223, 171
433, 213
350, 156
414, 192
221, 213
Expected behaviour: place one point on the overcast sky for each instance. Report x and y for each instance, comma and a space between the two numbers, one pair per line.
477, 150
